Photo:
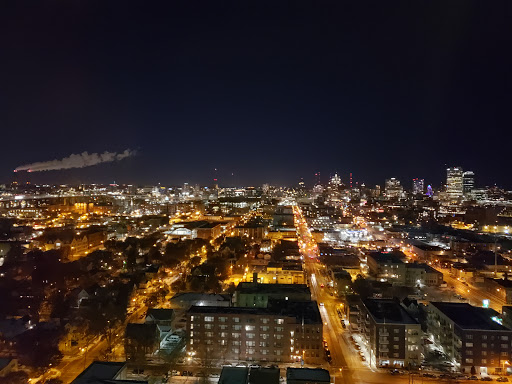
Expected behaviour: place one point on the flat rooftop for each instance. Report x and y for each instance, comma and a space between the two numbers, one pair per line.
468, 317
233, 375
250, 288
264, 376
308, 375
381, 257
98, 371
388, 311
303, 311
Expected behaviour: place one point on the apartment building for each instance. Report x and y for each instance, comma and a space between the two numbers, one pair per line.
391, 267
471, 336
283, 332
393, 336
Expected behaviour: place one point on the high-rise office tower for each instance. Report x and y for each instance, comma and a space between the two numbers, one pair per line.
430, 191
393, 188
454, 183
418, 186
335, 180
468, 183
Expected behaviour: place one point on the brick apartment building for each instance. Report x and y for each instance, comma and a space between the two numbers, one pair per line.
393, 336
285, 331
471, 336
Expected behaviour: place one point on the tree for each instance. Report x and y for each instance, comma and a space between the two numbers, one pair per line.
179, 285
362, 287
473, 370
39, 347
131, 254
154, 255
195, 261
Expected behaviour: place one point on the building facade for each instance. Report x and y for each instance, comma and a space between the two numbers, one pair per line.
471, 336
393, 336
284, 333
454, 185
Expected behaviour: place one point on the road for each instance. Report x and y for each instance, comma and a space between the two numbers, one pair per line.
346, 366
474, 295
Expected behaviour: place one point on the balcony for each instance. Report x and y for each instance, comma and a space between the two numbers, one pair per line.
383, 349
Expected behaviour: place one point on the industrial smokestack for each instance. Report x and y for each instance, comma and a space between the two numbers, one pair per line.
80, 160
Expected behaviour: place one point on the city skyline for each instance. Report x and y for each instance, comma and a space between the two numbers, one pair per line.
416, 185
270, 94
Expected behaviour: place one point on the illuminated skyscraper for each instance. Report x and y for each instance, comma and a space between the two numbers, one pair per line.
393, 188
468, 183
335, 180
454, 188
430, 191
418, 186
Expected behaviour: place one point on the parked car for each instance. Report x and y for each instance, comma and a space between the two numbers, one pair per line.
502, 379
486, 378
328, 356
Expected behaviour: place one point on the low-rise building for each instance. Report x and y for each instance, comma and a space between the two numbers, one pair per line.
251, 231
422, 274
252, 375
390, 267
160, 316
471, 336
283, 273
101, 372
307, 376
393, 336
387, 266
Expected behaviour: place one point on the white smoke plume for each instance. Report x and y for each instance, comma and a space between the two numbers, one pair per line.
80, 160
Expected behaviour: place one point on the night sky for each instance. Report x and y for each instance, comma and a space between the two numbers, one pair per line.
270, 92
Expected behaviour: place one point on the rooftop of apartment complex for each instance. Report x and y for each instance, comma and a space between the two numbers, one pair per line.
388, 311
252, 288
305, 311
469, 317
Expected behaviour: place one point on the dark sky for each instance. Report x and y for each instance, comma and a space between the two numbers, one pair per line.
268, 91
